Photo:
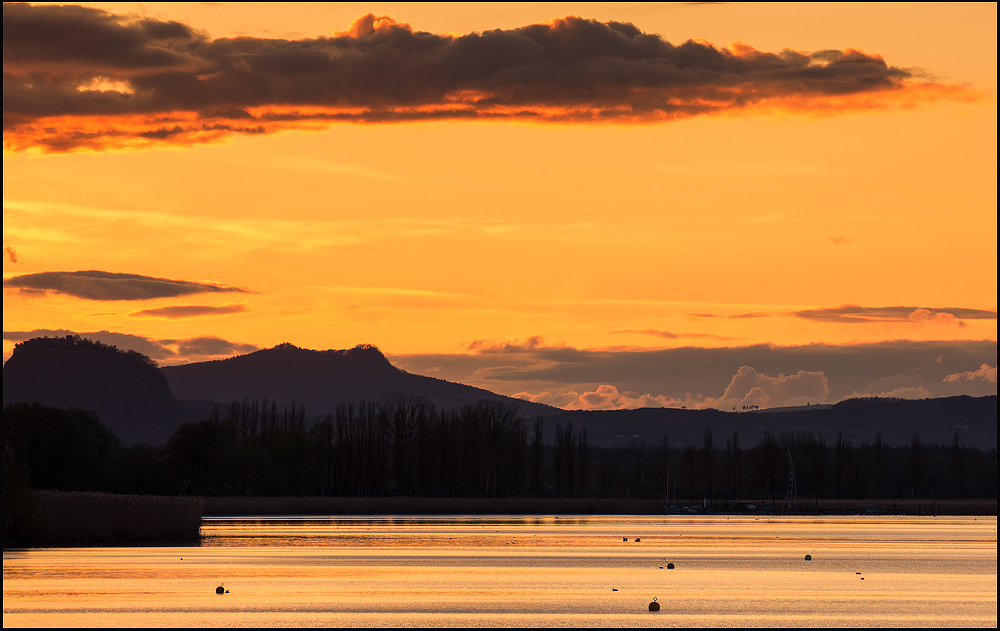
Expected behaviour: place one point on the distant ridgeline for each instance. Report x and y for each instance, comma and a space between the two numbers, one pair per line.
937, 421
137, 400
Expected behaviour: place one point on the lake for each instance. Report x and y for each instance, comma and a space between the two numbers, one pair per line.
512, 571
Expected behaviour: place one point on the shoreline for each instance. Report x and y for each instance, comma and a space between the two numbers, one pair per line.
242, 506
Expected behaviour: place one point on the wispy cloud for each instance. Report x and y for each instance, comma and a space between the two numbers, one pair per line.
188, 311
100, 285
65, 223
737, 316
854, 314
840, 240
10, 255
668, 335
78, 77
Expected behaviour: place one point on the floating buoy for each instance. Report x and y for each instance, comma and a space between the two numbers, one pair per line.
809, 557
624, 538
654, 606
220, 590
670, 566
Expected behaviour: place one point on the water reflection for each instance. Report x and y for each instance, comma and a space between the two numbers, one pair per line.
517, 571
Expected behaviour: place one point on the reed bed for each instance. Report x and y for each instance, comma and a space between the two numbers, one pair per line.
61, 517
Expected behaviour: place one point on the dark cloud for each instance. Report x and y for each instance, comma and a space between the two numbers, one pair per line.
487, 347
10, 255
188, 311
127, 81
53, 38
98, 285
856, 314
208, 346
178, 351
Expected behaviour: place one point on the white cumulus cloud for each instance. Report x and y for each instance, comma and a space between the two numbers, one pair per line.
985, 373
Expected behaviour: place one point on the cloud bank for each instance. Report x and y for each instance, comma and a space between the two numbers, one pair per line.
98, 285
78, 77
761, 374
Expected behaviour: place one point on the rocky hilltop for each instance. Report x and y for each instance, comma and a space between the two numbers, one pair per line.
125, 388
321, 380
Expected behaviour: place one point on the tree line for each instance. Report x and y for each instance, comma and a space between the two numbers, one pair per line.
404, 446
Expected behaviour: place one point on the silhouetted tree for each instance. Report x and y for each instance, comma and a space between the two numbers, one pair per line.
770, 452
957, 461
708, 449
916, 464
537, 455
819, 466
881, 465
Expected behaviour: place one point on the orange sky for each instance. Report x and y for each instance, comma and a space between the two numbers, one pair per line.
744, 226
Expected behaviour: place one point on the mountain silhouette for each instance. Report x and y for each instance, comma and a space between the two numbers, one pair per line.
144, 403
125, 388
321, 380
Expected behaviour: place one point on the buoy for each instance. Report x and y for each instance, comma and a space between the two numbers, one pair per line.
220, 590
809, 557
654, 606
624, 538
670, 566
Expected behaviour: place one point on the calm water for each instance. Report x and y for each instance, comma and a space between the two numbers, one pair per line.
517, 571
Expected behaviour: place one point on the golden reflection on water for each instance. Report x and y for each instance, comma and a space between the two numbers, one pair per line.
523, 571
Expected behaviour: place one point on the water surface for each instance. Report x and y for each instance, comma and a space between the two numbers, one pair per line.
523, 571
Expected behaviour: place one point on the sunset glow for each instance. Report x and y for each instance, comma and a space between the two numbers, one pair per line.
481, 189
